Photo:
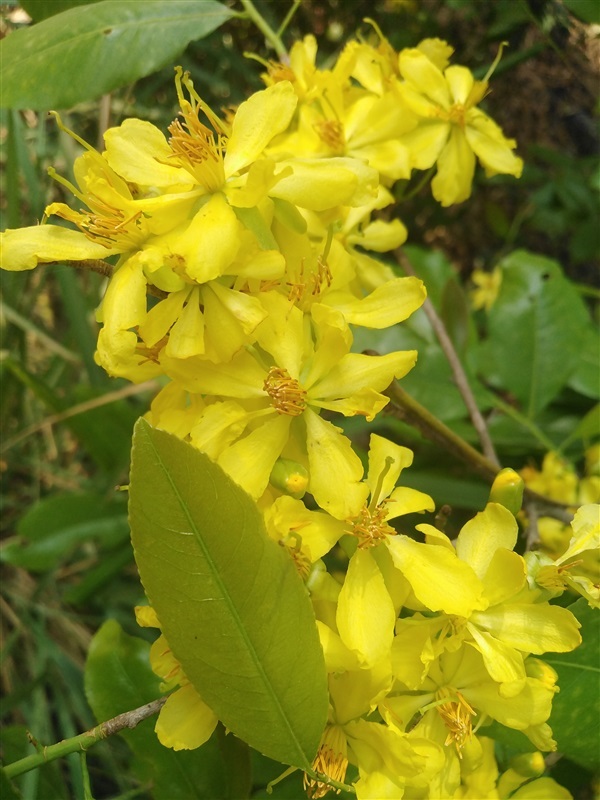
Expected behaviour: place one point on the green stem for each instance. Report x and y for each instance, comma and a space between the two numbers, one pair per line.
417, 188
265, 28
84, 741
288, 18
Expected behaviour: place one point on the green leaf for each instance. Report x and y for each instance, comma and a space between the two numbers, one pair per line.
231, 604
41, 9
52, 528
587, 10
118, 678
575, 718
535, 331
92, 49
586, 378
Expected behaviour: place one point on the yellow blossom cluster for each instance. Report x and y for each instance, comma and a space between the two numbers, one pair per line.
244, 264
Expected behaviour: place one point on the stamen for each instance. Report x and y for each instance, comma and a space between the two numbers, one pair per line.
331, 760
194, 146
287, 396
456, 714
332, 133
370, 526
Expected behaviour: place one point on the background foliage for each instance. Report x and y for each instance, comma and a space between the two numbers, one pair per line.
533, 360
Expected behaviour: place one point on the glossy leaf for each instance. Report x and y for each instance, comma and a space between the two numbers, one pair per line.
232, 606
575, 717
535, 331
118, 678
90, 50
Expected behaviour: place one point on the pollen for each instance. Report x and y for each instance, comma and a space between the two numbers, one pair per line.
287, 396
331, 132
194, 146
457, 716
370, 526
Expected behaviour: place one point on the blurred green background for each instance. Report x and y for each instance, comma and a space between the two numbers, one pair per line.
66, 559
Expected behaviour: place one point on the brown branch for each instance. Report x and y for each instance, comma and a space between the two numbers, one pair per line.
460, 376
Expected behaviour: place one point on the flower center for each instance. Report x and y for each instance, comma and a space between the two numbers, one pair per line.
456, 714
309, 286
331, 132
370, 526
193, 145
287, 396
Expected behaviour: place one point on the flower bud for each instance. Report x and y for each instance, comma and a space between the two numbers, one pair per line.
289, 477
529, 765
507, 490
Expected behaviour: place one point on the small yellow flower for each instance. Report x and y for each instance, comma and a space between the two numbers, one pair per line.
487, 288
452, 131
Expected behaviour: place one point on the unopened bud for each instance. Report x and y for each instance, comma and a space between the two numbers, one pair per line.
289, 477
507, 490
541, 671
529, 765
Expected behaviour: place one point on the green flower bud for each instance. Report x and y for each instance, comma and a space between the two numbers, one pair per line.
507, 490
289, 477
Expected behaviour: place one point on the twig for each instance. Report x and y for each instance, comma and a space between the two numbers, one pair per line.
80, 408
460, 376
409, 410
102, 268
85, 740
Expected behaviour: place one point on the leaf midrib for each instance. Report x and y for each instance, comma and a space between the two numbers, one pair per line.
233, 610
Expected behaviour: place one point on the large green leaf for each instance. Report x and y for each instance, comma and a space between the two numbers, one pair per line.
118, 678
232, 606
87, 51
575, 717
41, 9
535, 331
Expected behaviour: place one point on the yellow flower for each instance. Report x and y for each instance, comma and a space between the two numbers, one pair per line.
488, 286
451, 129
578, 568
283, 383
185, 722
480, 588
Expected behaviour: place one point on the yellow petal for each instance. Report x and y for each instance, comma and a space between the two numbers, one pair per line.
460, 82
503, 663
250, 460
439, 579
138, 152
365, 613
479, 539
257, 121
25, 248
404, 500
491, 147
185, 721
322, 184
335, 469
386, 305
531, 628
422, 73
455, 168
219, 425
357, 371
386, 462
186, 337
211, 241
531, 706
505, 576
380, 236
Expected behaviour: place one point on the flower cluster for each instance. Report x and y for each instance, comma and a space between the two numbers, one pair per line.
245, 262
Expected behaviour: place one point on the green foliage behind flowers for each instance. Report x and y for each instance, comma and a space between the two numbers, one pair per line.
258, 308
